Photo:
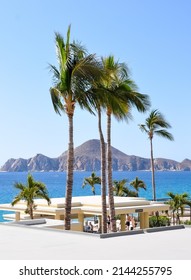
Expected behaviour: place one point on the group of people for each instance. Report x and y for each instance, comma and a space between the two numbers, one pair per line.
88, 227
130, 223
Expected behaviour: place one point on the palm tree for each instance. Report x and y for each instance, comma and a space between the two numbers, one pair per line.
152, 126
177, 204
188, 202
120, 95
118, 107
138, 184
103, 172
29, 192
92, 181
75, 73
121, 189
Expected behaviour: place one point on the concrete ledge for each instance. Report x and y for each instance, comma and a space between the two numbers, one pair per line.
121, 233
32, 222
157, 229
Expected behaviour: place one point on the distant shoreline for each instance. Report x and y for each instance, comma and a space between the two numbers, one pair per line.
58, 171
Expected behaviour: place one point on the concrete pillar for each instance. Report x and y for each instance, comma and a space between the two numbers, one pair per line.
17, 216
122, 218
81, 221
57, 216
141, 220
144, 220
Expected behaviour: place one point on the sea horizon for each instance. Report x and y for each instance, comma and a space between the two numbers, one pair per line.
166, 181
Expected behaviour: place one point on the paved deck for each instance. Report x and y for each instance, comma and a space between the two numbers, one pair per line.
23, 242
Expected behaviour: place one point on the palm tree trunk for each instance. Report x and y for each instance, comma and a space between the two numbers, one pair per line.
153, 171
103, 175
109, 175
69, 183
30, 206
173, 217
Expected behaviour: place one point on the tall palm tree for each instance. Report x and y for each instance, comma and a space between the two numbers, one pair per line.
178, 203
113, 104
29, 192
120, 96
138, 184
103, 171
75, 73
92, 181
154, 124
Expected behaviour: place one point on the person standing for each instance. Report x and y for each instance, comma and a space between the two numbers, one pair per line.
132, 223
108, 223
127, 223
91, 227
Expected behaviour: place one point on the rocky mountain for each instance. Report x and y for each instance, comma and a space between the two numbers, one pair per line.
185, 165
37, 163
87, 158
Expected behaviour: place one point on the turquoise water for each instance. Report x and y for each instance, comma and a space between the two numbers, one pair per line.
177, 182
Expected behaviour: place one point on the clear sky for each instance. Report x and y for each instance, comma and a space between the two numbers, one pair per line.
152, 37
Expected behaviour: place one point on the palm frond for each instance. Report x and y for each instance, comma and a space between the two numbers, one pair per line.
68, 41
165, 134
143, 128
137, 183
56, 101
19, 186
156, 119
55, 72
17, 198
154, 122
61, 51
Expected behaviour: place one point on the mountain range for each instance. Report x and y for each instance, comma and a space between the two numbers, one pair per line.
87, 158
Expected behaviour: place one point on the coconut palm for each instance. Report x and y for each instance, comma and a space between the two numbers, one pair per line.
155, 124
177, 204
138, 184
120, 95
75, 73
29, 192
92, 181
112, 72
103, 171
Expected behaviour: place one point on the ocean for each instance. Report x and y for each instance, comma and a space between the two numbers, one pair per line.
166, 181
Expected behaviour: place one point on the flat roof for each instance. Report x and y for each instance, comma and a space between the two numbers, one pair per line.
19, 242
90, 204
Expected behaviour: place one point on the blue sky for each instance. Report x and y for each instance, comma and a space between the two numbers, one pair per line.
152, 37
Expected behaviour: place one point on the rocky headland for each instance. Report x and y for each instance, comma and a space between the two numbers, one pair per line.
87, 158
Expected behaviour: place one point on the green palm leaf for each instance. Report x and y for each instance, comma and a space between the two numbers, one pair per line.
92, 181
32, 190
